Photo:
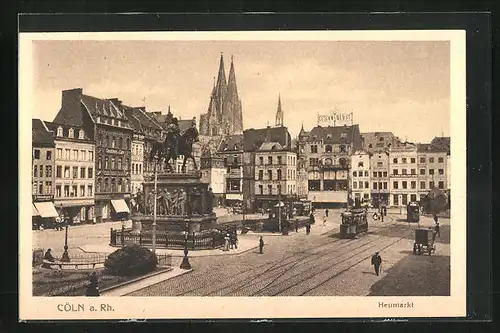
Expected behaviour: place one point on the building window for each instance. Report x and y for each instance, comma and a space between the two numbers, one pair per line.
67, 172
48, 155
113, 185
91, 155
279, 189
413, 197
59, 153
413, 184
90, 173
119, 163
355, 185
280, 160
120, 184
413, 171
140, 169
374, 175
354, 173
370, 145
395, 185
342, 148
312, 161
343, 162
431, 171
395, 198
404, 160
270, 189
422, 185
405, 185
71, 133
81, 134
403, 171
269, 160
279, 174
75, 155
127, 146
59, 171
66, 191
367, 185
328, 149
385, 185
422, 172
74, 191
366, 174
441, 171
431, 185
360, 164
59, 131
261, 189
395, 160
100, 140
441, 185
41, 171
380, 164
385, 173
58, 191
314, 149
261, 160
412, 160
440, 160
75, 172
83, 155
374, 185
37, 154
48, 187
422, 159
261, 175
431, 159
113, 165
126, 165
67, 154
82, 190
48, 171
360, 185
82, 172
106, 163
395, 172
380, 174
270, 174
89, 190
35, 171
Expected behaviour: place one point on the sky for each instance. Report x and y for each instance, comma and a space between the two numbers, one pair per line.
400, 87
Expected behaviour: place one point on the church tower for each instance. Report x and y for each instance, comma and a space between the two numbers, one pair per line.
279, 113
224, 115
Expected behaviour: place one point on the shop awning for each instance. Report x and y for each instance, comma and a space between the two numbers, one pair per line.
34, 212
120, 206
46, 209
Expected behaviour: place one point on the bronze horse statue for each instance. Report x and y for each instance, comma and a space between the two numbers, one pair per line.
166, 149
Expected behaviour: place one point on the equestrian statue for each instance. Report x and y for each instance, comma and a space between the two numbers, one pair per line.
176, 144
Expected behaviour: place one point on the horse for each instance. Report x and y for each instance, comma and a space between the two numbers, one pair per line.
184, 147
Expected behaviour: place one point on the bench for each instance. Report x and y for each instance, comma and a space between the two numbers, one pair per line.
60, 264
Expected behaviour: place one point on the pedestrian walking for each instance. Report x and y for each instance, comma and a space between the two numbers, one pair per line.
261, 245
324, 221
226, 242
326, 212
311, 218
436, 219
376, 262
308, 229
296, 227
93, 287
382, 215
436, 229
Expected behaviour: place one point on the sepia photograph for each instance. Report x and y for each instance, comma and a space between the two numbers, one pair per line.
275, 174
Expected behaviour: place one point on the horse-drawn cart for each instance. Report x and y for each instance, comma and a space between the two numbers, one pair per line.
424, 241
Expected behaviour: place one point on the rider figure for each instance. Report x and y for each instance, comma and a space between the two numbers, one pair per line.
174, 133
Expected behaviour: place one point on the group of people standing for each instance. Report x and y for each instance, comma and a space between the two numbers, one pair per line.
230, 240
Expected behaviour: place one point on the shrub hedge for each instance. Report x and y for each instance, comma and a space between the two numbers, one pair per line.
131, 260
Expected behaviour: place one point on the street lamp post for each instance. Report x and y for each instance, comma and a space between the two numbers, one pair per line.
185, 261
65, 256
153, 241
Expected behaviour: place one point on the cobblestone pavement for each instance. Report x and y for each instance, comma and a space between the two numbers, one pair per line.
316, 264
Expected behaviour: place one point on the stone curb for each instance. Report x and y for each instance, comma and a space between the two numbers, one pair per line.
126, 283
214, 255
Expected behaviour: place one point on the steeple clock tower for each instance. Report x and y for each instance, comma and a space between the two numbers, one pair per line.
279, 113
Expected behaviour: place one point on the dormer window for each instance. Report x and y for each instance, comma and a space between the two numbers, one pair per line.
381, 139
59, 131
71, 133
343, 135
81, 134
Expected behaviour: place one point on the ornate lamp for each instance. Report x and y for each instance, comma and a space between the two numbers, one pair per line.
185, 261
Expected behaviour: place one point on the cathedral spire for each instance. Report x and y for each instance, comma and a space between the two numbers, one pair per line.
279, 113
221, 77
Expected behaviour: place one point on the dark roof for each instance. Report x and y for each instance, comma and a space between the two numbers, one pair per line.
231, 143
103, 107
442, 142
139, 119
53, 127
430, 148
254, 138
40, 136
336, 135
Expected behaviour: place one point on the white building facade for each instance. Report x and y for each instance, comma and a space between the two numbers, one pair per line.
360, 176
137, 163
403, 174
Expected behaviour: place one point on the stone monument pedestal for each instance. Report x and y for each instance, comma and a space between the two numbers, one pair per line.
184, 203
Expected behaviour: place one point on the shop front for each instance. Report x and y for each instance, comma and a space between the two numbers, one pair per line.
76, 211
43, 212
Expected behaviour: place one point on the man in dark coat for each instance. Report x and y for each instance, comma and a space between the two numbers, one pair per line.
326, 212
308, 229
311, 218
261, 245
93, 287
376, 262
436, 229
435, 218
